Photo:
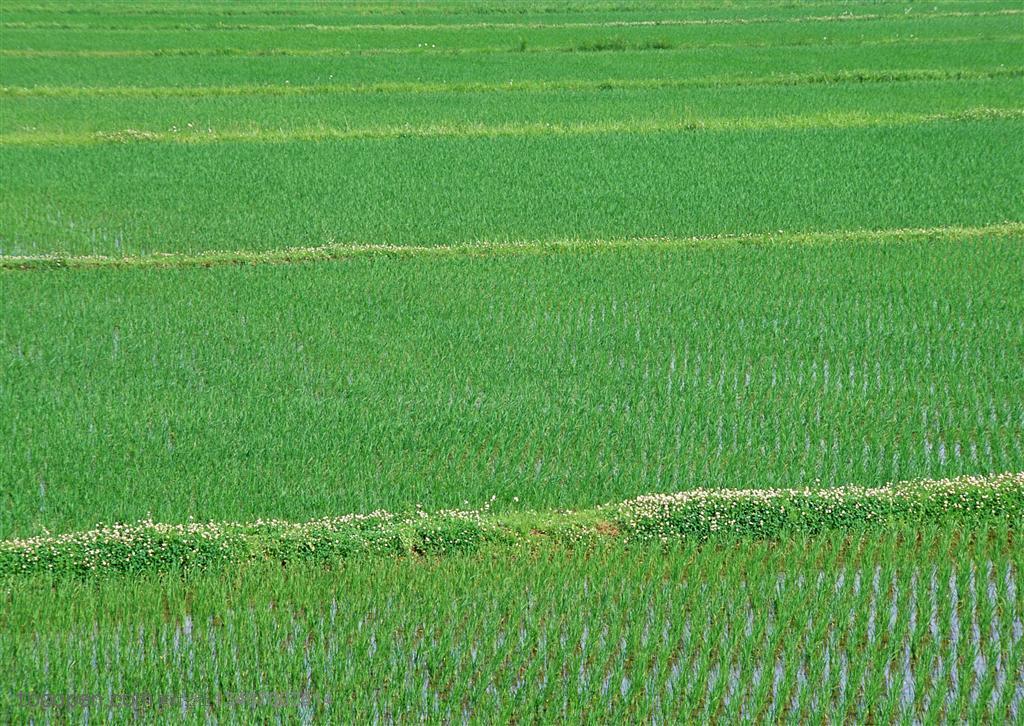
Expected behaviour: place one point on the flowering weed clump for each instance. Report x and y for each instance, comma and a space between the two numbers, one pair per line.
702, 513
152, 545
694, 515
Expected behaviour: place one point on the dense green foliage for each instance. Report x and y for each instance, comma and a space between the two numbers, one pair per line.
51, 118
688, 64
884, 627
566, 379
128, 198
475, 361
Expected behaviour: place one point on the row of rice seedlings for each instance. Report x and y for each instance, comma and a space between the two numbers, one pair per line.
876, 628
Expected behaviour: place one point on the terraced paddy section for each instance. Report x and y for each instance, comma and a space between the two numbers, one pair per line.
142, 114
565, 379
169, 197
904, 624
81, 61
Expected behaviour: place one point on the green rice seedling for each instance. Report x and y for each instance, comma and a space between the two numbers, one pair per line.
1010, 697
121, 48
959, 624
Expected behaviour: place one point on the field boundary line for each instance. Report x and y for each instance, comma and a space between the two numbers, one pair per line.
667, 22
342, 251
536, 86
843, 120
656, 46
372, 10
652, 519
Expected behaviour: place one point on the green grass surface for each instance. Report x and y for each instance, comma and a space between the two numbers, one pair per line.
610, 38
562, 378
918, 623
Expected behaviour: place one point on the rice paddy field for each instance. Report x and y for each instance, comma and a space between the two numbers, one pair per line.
465, 361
